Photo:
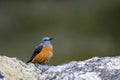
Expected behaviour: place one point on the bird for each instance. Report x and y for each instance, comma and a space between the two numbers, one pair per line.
43, 52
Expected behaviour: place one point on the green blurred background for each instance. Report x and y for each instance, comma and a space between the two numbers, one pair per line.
81, 28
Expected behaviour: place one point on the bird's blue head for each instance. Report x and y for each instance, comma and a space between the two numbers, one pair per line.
46, 41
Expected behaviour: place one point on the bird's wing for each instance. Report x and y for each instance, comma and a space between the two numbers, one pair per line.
36, 51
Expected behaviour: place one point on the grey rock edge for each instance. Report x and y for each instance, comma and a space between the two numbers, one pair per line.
105, 68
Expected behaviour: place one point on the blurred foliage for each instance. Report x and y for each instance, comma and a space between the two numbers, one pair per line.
81, 29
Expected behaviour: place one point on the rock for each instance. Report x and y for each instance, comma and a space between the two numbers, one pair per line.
105, 68
14, 69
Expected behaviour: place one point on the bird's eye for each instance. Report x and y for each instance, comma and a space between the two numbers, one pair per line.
45, 40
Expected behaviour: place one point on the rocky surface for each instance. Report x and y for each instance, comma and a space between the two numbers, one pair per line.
14, 69
105, 68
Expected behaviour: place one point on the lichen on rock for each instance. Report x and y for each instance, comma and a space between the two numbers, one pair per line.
105, 68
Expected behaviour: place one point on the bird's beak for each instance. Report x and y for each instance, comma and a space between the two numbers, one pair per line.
50, 39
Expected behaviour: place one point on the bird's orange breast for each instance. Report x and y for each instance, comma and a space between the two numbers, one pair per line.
44, 55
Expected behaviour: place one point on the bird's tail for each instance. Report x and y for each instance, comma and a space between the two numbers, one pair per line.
29, 61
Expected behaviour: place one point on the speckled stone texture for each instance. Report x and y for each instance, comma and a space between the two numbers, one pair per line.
105, 68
